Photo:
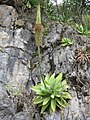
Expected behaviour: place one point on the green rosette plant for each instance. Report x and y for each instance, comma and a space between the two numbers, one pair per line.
66, 42
53, 94
82, 30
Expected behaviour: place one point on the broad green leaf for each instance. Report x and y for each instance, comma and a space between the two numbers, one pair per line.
47, 83
44, 107
63, 40
43, 88
58, 86
64, 44
37, 87
81, 28
39, 92
64, 84
59, 101
28, 5
46, 100
52, 77
42, 83
42, 93
38, 100
47, 77
63, 102
77, 25
50, 109
53, 104
66, 95
51, 80
80, 32
59, 106
70, 43
36, 90
59, 89
58, 95
59, 77
53, 95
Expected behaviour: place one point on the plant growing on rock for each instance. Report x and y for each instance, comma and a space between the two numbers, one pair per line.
82, 30
30, 3
53, 94
14, 89
66, 42
38, 36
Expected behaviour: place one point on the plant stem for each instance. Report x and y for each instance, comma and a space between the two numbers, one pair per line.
38, 37
39, 59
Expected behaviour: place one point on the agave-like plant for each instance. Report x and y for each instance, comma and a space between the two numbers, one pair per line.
66, 42
53, 94
82, 30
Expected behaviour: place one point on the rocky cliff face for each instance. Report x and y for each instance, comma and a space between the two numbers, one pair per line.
19, 68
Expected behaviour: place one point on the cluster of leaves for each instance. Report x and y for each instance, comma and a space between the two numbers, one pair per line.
82, 30
30, 3
86, 20
52, 93
66, 42
69, 10
50, 10
75, 8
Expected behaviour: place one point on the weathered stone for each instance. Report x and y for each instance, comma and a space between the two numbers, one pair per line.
6, 105
7, 15
19, 23
22, 116
19, 68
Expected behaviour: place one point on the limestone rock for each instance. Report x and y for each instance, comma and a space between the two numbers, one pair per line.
19, 68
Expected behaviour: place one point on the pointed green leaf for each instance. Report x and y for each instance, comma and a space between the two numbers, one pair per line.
59, 77
42, 93
81, 28
70, 43
64, 44
50, 109
47, 77
44, 107
58, 95
63, 102
53, 104
64, 84
66, 95
59, 106
37, 87
60, 102
53, 95
46, 100
52, 77
38, 100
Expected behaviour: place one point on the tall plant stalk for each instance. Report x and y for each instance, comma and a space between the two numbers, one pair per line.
38, 38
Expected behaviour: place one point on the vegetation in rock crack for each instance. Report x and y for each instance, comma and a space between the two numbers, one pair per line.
82, 30
66, 42
14, 89
82, 55
75, 11
53, 95
30, 3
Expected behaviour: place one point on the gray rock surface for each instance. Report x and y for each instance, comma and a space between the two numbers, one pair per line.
19, 68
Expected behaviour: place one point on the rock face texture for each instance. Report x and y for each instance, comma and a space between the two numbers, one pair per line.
19, 68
